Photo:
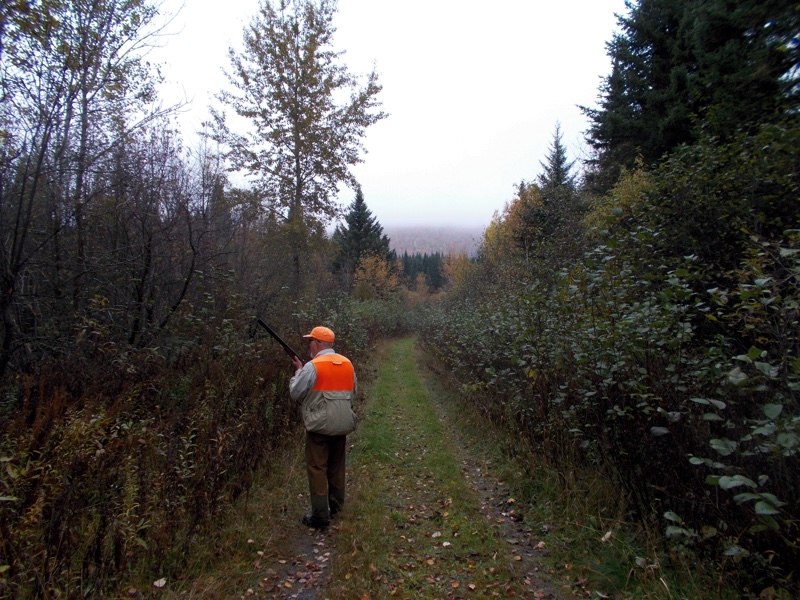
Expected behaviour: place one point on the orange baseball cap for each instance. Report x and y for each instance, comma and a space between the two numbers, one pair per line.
322, 334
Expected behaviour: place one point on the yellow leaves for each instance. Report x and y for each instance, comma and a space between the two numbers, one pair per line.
457, 269
630, 188
513, 231
374, 278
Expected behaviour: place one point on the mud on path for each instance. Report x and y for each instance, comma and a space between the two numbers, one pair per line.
425, 515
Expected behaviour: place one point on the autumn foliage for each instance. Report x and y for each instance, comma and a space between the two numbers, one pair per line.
666, 356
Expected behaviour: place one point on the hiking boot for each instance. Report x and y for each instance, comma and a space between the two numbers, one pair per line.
335, 501
310, 520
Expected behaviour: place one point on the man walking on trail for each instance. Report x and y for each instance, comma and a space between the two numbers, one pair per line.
326, 386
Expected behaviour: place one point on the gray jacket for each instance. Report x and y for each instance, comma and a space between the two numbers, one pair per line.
327, 395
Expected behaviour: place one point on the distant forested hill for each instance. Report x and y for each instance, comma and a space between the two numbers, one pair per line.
429, 240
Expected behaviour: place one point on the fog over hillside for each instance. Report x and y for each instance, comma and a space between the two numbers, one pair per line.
429, 240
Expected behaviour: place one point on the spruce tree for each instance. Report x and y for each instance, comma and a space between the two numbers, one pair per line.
360, 235
556, 181
683, 69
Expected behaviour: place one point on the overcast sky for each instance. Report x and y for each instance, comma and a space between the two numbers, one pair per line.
473, 91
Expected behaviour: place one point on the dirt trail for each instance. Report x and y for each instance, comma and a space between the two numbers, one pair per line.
401, 533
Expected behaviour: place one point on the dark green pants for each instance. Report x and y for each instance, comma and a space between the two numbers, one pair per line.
325, 458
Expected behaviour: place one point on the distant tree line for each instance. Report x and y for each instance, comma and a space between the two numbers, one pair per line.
430, 266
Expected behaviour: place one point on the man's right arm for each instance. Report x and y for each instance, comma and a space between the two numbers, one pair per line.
302, 382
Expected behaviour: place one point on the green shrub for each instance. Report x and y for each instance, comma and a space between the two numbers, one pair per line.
667, 357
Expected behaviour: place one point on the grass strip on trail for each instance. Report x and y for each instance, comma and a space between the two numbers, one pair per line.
413, 527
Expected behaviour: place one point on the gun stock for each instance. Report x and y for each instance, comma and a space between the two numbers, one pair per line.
278, 339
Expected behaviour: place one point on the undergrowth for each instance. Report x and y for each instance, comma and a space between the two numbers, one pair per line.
591, 544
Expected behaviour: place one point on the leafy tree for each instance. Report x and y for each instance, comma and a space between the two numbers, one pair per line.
74, 85
456, 269
682, 68
301, 143
710, 199
360, 235
374, 278
526, 218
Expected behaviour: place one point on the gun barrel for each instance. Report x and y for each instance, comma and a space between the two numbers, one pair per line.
278, 339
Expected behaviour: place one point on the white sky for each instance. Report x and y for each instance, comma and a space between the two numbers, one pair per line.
473, 91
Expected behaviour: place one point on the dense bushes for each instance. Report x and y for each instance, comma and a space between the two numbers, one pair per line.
667, 357
114, 462
115, 474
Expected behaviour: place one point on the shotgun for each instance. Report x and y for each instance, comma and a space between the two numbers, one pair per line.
278, 339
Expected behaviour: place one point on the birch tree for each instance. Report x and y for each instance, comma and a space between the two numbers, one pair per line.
304, 133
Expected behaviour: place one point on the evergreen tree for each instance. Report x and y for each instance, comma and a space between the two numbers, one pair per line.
431, 266
681, 69
556, 182
360, 235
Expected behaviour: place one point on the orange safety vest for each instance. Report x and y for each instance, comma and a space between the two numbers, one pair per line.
328, 407
334, 373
